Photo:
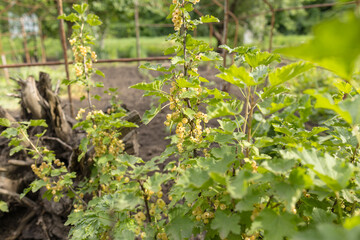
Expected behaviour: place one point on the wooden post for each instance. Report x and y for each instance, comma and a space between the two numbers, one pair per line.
273, 12
3, 60
137, 28
225, 30
27, 54
63, 43
42, 42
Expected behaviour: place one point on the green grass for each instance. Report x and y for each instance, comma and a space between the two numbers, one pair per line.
150, 46
9, 87
283, 41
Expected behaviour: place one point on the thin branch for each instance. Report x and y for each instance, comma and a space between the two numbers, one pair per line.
273, 12
59, 141
41, 156
20, 163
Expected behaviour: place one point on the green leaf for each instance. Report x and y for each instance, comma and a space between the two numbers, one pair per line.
344, 33
190, 113
16, 149
154, 182
5, 122
93, 20
150, 114
80, 8
26, 191
226, 224
177, 60
279, 165
183, 83
288, 193
35, 123
238, 76
4, 207
224, 109
153, 86
208, 19
281, 75
351, 106
352, 222
343, 86
100, 73
189, 7
210, 56
72, 17
238, 186
227, 125
180, 228
255, 59
275, 226
328, 231
157, 67
325, 101
195, 178
37, 184
333, 172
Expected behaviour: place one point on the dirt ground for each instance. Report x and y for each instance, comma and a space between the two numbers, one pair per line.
152, 136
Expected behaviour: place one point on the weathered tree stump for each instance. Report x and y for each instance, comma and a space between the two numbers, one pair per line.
33, 217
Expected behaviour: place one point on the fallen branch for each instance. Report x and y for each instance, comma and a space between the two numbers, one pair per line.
59, 141
26, 201
19, 163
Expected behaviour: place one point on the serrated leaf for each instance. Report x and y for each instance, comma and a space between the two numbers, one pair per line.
275, 226
325, 101
80, 8
222, 109
180, 228
281, 75
255, 59
225, 224
237, 187
208, 19
278, 165
238, 76
37, 184
333, 172
93, 20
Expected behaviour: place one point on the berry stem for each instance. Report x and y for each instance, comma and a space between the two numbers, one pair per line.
146, 201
